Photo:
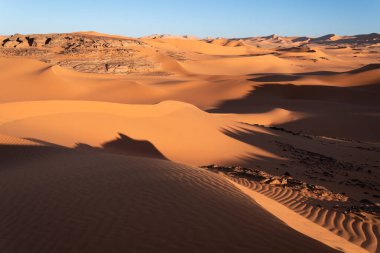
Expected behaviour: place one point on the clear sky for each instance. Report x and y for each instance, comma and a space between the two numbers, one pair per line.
228, 18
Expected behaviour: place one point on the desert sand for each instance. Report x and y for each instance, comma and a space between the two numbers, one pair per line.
179, 144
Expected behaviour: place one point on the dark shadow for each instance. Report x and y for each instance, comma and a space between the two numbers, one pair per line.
299, 49
310, 158
313, 73
47, 41
30, 41
45, 143
322, 39
288, 96
275, 77
344, 112
5, 41
368, 67
10, 154
360, 39
90, 196
301, 39
127, 146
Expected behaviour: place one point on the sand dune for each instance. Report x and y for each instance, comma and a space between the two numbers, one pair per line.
178, 129
368, 241
276, 116
98, 34
240, 66
57, 83
331, 163
175, 129
196, 46
367, 75
349, 102
74, 201
32, 77
362, 233
92, 125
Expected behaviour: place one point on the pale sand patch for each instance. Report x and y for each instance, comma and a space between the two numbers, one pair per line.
300, 223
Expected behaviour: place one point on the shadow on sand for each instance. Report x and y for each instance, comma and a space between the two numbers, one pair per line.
343, 112
275, 77
126, 146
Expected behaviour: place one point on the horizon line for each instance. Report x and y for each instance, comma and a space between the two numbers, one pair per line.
190, 35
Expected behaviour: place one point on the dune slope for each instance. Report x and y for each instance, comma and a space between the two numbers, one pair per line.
176, 129
60, 200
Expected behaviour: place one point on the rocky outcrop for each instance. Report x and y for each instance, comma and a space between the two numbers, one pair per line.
81, 52
300, 49
92, 52
361, 39
315, 193
67, 41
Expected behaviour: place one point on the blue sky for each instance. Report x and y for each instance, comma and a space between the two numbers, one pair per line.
228, 18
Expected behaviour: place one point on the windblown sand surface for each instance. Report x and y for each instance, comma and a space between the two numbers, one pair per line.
93, 126
60, 200
360, 232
